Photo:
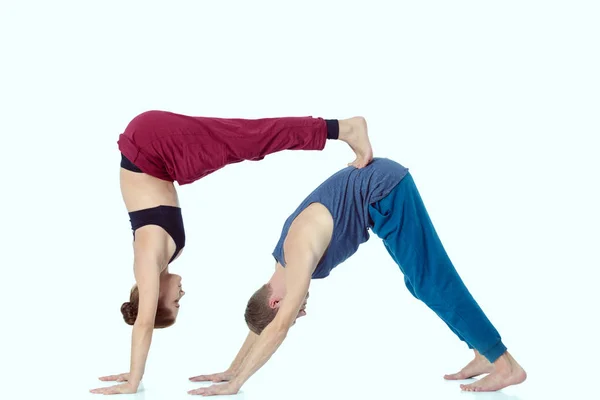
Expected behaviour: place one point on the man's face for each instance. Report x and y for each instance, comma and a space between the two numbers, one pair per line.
302, 311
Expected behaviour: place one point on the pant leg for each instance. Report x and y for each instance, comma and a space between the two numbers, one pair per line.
184, 148
402, 222
412, 291
253, 139
221, 142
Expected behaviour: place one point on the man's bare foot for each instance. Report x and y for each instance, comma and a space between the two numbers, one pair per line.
506, 372
479, 365
354, 132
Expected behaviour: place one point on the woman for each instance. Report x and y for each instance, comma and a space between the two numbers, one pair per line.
159, 148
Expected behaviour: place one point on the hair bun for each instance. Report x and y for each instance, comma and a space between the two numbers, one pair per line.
129, 313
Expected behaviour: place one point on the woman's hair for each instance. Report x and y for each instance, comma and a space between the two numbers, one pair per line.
164, 316
258, 313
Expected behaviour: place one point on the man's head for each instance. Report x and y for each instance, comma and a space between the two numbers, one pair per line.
168, 302
263, 305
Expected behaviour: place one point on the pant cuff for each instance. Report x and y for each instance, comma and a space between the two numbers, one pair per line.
333, 129
494, 352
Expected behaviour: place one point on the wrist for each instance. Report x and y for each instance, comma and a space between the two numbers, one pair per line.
236, 381
135, 384
234, 369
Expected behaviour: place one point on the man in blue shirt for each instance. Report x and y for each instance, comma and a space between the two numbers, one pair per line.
326, 229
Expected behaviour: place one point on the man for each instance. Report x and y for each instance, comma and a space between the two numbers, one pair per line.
326, 229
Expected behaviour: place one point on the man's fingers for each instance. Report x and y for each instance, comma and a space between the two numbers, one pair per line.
207, 391
106, 390
200, 378
206, 378
215, 390
197, 391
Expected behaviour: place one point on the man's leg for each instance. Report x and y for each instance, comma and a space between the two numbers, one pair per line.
403, 223
412, 291
479, 365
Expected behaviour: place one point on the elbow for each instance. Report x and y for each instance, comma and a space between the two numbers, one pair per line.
143, 325
145, 319
281, 328
142, 332
279, 335
282, 331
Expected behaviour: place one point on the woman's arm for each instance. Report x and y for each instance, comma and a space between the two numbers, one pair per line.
150, 254
147, 276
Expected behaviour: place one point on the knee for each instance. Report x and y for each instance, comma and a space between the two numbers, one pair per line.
410, 288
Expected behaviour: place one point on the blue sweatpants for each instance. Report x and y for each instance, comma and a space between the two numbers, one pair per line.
402, 222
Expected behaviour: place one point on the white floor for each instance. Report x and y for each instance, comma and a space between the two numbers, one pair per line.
409, 387
408, 379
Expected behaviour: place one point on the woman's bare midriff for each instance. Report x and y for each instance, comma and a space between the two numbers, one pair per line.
141, 191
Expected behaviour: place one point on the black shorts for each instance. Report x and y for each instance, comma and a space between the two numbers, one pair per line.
128, 165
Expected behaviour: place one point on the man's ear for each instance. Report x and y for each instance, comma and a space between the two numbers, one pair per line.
274, 303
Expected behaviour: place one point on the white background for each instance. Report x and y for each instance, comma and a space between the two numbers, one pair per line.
494, 107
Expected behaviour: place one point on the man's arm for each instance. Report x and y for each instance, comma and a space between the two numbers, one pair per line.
308, 238
244, 351
269, 340
306, 242
298, 275
236, 363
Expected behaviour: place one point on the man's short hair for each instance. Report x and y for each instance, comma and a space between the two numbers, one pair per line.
258, 312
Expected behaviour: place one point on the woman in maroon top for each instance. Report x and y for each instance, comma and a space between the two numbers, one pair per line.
159, 148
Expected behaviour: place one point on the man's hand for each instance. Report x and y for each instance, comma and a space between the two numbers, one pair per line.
123, 388
116, 378
220, 377
215, 390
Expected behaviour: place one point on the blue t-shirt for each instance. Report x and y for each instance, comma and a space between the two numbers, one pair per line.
347, 195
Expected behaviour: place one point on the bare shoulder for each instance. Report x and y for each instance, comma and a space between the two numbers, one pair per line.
310, 233
151, 244
314, 219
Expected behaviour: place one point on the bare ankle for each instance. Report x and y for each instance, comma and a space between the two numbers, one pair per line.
346, 127
504, 362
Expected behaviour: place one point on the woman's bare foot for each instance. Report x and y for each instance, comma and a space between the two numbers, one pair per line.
506, 372
479, 365
354, 132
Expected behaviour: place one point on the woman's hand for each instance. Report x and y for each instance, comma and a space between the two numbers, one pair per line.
123, 388
116, 378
